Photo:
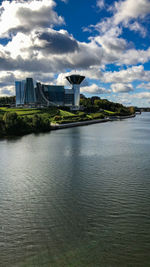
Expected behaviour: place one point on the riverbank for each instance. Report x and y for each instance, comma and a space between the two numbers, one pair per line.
19, 122
55, 126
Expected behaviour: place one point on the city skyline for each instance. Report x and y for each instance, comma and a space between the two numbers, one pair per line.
106, 41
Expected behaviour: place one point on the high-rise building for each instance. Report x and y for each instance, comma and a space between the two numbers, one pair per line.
25, 92
29, 94
20, 90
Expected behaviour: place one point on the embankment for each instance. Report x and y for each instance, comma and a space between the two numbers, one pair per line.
83, 123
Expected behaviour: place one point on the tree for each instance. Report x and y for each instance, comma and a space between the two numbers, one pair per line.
40, 123
12, 122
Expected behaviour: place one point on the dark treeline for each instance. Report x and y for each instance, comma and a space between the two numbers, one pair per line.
144, 109
95, 104
7, 101
12, 124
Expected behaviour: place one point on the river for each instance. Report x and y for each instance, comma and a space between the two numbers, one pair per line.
77, 197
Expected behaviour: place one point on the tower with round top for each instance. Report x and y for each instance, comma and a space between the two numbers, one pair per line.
76, 80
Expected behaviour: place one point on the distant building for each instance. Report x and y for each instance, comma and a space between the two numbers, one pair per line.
20, 90
29, 93
25, 92
48, 95
69, 97
55, 94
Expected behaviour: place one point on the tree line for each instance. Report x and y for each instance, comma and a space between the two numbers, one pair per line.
7, 101
12, 124
95, 104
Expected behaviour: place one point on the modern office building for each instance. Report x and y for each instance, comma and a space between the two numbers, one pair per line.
55, 94
48, 95
20, 89
29, 94
69, 97
25, 92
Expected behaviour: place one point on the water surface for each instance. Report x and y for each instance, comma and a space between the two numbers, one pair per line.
77, 197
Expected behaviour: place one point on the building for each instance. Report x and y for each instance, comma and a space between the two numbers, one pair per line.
76, 80
25, 92
69, 97
55, 94
29, 93
20, 89
48, 95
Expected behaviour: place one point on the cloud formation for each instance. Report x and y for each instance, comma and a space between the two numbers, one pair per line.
42, 48
135, 73
122, 87
100, 4
124, 11
25, 16
144, 86
94, 89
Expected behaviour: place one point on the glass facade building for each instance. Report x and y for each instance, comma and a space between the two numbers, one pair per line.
54, 94
29, 94
20, 90
48, 95
69, 97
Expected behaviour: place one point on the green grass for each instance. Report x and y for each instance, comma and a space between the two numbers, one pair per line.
65, 113
21, 111
53, 112
32, 111
97, 115
110, 112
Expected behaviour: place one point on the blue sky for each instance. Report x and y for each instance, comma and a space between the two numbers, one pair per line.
107, 41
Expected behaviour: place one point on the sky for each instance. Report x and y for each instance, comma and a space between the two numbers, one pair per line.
107, 41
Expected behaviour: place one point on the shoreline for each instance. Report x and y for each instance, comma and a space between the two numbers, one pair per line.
84, 123
69, 125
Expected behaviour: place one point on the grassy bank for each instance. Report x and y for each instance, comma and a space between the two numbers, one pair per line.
20, 121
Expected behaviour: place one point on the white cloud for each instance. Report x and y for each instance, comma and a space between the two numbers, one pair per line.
130, 9
25, 16
122, 87
65, 1
135, 73
142, 95
110, 43
61, 79
90, 73
144, 86
94, 89
133, 56
7, 91
38, 50
137, 27
125, 14
101, 4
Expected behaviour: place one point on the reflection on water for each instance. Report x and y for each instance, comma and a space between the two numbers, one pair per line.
77, 197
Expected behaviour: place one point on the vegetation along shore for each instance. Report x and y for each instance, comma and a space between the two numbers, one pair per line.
21, 121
